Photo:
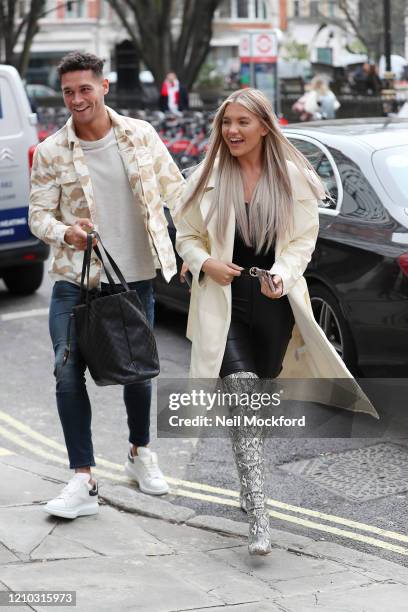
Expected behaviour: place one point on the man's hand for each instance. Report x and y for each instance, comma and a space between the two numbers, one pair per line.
266, 290
76, 234
220, 272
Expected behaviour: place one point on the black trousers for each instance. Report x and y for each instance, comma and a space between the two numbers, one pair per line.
259, 333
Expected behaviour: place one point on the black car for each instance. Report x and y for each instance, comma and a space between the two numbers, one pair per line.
358, 275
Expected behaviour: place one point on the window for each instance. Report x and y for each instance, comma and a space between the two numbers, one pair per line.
75, 8
323, 167
242, 9
314, 8
224, 12
261, 11
391, 166
332, 8
325, 55
296, 8
360, 201
103, 9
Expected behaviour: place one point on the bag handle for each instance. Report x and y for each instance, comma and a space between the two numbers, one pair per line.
112, 262
86, 265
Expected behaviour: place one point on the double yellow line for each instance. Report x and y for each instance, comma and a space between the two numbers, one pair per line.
25, 437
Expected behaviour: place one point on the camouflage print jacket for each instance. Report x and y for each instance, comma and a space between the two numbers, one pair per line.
61, 192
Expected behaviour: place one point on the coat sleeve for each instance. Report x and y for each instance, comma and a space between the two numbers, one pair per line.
192, 243
291, 263
170, 179
44, 200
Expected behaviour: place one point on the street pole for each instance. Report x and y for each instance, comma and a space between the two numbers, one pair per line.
388, 93
387, 35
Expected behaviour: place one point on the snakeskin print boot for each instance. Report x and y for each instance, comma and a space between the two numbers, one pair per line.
247, 446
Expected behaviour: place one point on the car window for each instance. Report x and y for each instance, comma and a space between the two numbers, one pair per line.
359, 201
10, 122
323, 167
391, 166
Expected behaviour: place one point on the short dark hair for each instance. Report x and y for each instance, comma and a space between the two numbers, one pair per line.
75, 60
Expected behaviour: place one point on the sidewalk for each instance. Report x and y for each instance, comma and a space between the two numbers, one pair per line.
144, 554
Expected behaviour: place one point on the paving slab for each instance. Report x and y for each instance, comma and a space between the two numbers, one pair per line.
6, 556
186, 538
32, 466
319, 582
287, 572
106, 584
133, 501
267, 606
23, 487
231, 585
112, 533
23, 528
375, 597
369, 565
282, 539
57, 547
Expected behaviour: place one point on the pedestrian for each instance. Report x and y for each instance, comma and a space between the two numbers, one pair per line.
320, 102
173, 95
110, 173
366, 80
253, 201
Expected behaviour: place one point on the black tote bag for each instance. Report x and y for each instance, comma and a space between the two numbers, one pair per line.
114, 335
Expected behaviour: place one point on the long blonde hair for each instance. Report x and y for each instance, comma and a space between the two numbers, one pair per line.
271, 211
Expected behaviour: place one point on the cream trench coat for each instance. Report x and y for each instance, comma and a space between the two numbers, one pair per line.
309, 353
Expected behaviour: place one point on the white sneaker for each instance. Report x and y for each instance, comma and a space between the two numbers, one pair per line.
144, 468
77, 498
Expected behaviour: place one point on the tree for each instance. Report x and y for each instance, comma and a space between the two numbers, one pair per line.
14, 26
369, 26
163, 47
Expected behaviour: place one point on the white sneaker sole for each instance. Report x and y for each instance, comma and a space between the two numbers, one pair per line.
143, 488
83, 510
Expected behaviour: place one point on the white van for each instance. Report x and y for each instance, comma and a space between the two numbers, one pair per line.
22, 255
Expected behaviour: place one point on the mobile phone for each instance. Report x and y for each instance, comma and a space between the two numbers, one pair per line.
269, 279
188, 277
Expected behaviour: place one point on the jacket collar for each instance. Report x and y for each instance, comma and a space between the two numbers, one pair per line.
119, 124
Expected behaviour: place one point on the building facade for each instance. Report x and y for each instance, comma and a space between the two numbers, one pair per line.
92, 26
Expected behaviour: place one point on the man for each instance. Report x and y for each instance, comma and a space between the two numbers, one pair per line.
173, 95
112, 173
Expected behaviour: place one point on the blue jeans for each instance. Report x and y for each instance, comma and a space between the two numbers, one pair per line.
73, 403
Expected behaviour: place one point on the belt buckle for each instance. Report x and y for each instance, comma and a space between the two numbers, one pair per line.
253, 271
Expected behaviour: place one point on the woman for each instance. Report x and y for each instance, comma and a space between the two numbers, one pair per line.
320, 102
252, 202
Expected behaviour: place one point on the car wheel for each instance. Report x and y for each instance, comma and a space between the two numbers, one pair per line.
328, 314
23, 280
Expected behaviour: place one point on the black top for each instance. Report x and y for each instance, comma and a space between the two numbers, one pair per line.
246, 257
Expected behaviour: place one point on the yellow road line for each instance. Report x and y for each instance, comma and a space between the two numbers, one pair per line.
178, 482
218, 500
304, 522
16, 439
4, 452
26, 429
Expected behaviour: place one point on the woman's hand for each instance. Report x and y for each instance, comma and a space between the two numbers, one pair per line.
265, 289
220, 272
184, 269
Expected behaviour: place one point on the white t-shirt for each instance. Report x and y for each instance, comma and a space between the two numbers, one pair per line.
119, 215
